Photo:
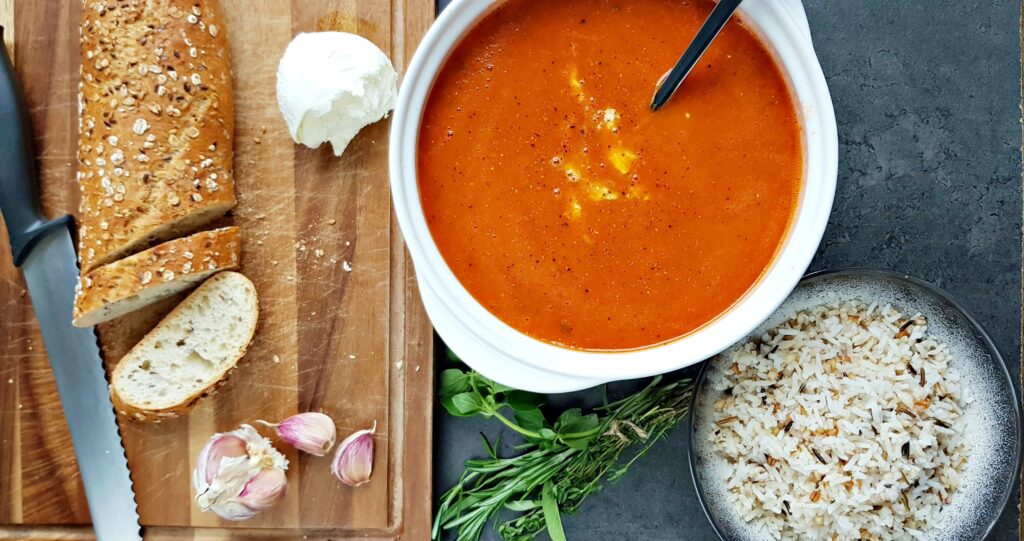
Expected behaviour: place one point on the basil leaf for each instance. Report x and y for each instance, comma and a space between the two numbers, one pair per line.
573, 422
449, 406
569, 416
453, 382
483, 383
523, 400
532, 420
465, 404
552, 518
499, 388
547, 434
452, 357
580, 443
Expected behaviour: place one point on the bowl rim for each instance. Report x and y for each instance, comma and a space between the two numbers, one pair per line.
788, 40
876, 272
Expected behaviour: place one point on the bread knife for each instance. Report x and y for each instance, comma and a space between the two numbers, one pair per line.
44, 252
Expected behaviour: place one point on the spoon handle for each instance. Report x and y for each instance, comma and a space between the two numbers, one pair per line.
707, 33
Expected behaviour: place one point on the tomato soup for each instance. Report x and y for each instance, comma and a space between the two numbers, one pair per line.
575, 214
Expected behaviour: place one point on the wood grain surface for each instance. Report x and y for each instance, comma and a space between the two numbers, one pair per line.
355, 345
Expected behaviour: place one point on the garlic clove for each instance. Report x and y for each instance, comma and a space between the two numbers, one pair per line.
259, 494
263, 490
222, 475
219, 447
353, 462
233, 510
312, 432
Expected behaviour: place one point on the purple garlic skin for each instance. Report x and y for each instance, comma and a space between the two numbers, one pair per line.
312, 432
238, 474
353, 461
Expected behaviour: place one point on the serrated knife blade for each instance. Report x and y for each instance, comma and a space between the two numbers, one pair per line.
45, 252
51, 273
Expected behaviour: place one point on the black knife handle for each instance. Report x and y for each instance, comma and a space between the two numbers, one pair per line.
19, 194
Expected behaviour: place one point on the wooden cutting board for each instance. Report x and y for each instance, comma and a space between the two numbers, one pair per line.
356, 344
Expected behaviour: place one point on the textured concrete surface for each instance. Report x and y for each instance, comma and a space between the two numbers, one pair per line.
927, 97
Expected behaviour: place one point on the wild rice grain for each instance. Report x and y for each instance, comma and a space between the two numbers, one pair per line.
838, 379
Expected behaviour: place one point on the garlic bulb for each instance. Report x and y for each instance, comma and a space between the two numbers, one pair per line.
239, 474
353, 462
312, 432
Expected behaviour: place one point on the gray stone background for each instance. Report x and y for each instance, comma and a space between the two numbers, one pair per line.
927, 97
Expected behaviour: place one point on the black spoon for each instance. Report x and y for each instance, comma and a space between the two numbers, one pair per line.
707, 33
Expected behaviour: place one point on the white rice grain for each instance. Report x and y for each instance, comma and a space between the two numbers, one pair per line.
843, 423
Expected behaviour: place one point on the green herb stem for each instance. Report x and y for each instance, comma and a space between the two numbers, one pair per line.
517, 428
536, 435
561, 463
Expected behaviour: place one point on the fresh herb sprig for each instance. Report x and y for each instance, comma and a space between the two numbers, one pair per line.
465, 394
561, 463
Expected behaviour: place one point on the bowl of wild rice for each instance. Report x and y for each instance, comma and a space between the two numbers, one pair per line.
869, 406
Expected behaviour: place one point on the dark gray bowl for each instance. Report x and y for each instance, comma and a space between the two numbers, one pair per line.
991, 473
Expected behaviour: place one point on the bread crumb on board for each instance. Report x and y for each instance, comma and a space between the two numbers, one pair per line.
346, 266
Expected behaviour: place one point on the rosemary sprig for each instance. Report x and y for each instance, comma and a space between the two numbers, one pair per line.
561, 464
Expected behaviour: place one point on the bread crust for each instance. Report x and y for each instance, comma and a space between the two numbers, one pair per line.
156, 124
173, 261
133, 413
136, 413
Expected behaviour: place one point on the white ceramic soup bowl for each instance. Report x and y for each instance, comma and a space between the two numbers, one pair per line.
500, 352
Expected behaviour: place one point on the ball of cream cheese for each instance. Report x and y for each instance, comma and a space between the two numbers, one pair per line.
332, 84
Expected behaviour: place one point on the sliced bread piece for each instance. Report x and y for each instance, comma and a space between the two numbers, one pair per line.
188, 354
135, 282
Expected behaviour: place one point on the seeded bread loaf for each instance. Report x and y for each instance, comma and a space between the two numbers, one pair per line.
126, 285
156, 126
189, 354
